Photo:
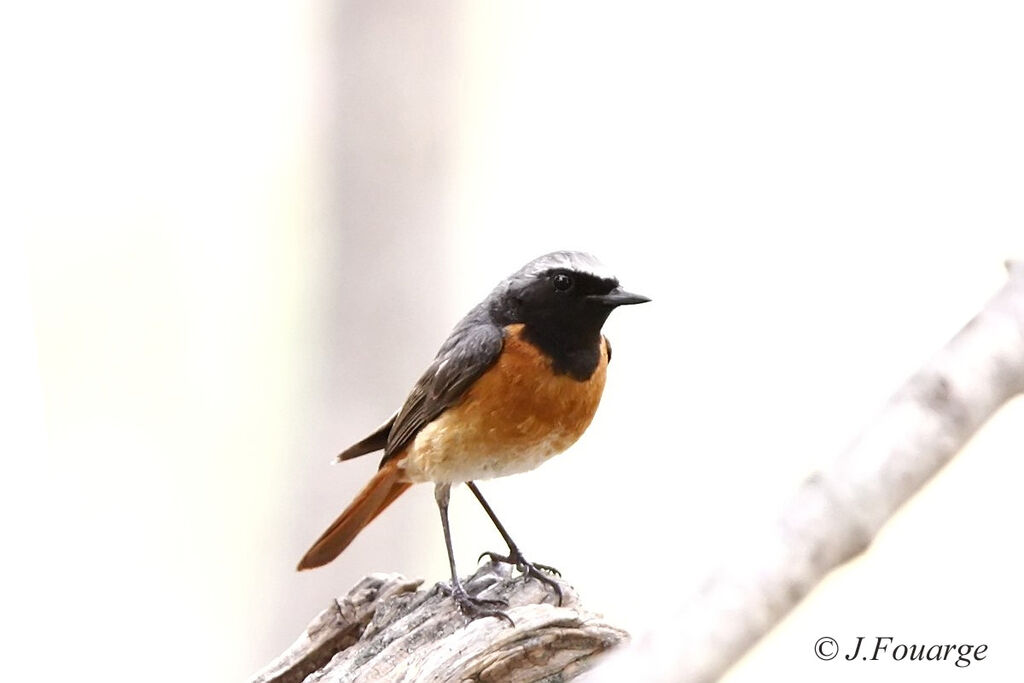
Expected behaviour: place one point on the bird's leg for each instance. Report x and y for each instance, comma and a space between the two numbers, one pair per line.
474, 608
515, 556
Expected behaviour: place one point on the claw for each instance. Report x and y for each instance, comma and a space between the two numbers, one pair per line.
528, 569
547, 568
476, 608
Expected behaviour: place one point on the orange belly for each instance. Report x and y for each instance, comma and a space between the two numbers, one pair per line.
514, 417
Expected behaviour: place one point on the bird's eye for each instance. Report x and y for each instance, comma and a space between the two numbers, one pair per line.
562, 282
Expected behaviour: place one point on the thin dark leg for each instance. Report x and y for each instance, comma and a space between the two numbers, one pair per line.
515, 556
474, 608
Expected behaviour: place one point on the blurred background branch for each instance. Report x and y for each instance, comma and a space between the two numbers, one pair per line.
838, 511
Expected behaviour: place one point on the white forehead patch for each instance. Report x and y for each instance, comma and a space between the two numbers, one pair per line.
576, 261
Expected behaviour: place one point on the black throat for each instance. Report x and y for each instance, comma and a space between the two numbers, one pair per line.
574, 350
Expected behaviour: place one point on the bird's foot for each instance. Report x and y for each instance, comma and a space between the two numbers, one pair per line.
476, 608
528, 569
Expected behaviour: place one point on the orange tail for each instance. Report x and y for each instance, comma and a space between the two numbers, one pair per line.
371, 501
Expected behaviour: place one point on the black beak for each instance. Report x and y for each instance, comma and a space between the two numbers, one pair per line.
618, 297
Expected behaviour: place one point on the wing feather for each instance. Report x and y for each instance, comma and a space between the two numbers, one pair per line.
473, 347
374, 442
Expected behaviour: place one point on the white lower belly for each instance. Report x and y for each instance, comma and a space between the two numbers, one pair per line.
445, 455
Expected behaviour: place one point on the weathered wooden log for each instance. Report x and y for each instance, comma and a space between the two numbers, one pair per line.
387, 629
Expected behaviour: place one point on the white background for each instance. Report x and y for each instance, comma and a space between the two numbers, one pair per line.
815, 195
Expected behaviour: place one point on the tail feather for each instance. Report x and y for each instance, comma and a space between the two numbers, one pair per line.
382, 490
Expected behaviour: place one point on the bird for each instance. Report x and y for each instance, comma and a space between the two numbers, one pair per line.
517, 381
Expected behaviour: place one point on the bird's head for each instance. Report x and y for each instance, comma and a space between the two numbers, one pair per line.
563, 295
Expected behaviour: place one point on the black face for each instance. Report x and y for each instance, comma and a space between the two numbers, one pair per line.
563, 311
557, 302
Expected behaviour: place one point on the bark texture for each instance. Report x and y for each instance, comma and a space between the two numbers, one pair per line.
386, 629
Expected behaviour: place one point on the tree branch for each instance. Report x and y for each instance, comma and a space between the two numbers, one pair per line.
839, 509
387, 630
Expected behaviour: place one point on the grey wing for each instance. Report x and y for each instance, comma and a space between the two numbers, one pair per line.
374, 442
466, 355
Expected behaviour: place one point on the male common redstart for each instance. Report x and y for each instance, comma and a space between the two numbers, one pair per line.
517, 382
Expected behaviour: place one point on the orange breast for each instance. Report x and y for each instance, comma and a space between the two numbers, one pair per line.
514, 417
